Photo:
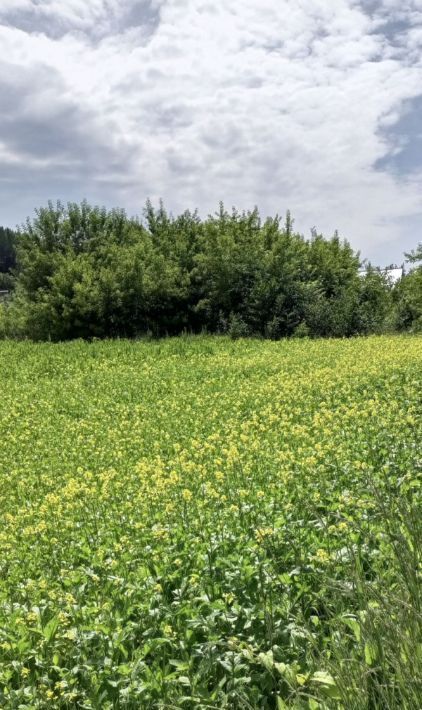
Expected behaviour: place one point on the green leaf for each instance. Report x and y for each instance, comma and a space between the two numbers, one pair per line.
180, 665
123, 650
124, 669
285, 579
327, 683
50, 629
267, 660
323, 677
354, 625
371, 653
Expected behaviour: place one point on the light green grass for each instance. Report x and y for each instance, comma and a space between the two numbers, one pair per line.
201, 523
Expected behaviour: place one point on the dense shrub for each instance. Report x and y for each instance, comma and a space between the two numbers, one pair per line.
83, 271
408, 295
8, 241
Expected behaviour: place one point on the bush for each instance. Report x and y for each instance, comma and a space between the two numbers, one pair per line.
237, 327
301, 331
273, 328
85, 272
7, 282
408, 299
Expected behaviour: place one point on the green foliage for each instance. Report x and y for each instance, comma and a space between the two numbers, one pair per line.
237, 327
2, 321
86, 272
408, 296
375, 308
415, 255
7, 282
8, 241
202, 523
301, 331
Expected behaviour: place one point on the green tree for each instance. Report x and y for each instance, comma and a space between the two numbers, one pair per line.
228, 263
280, 293
84, 271
334, 267
375, 302
408, 294
8, 239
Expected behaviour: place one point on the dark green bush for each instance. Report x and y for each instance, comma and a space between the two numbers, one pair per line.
82, 272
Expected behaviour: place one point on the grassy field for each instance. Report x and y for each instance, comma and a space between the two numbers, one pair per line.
201, 523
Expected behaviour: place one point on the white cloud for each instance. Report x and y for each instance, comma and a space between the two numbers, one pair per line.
280, 104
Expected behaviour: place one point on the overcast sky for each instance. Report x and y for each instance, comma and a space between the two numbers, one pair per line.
309, 105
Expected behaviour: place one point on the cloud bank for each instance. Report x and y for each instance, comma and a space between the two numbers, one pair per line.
302, 105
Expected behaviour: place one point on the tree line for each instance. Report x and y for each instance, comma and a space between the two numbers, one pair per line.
81, 271
8, 241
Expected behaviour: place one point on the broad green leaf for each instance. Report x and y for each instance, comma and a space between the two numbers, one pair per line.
371, 653
354, 625
323, 677
50, 629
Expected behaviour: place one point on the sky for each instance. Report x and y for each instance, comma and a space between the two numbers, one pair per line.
309, 105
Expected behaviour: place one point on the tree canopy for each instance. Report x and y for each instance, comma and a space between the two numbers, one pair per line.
84, 271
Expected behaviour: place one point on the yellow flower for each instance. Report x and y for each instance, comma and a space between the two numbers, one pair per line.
321, 556
71, 634
261, 534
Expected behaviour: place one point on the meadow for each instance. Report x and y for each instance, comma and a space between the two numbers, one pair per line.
205, 523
